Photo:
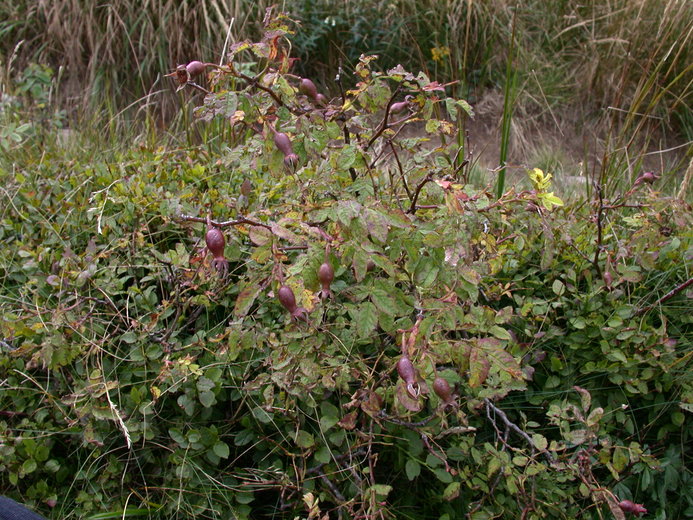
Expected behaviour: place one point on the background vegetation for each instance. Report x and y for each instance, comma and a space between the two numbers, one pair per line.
137, 382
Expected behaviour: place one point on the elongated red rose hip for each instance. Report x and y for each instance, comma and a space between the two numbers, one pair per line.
215, 241
286, 298
325, 276
308, 88
442, 389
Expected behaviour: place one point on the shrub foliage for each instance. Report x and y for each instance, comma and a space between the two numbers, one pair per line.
143, 376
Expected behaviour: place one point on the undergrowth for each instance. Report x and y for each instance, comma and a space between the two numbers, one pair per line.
475, 356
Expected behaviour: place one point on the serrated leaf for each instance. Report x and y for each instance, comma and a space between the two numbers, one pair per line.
246, 298
540, 441
585, 398
382, 490
327, 422
595, 416
365, 319
376, 224
500, 333
620, 459
493, 466
285, 234
259, 235
360, 264
470, 275
383, 301
346, 157
426, 272
348, 422
478, 367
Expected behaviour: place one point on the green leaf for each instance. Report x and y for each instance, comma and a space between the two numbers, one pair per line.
558, 287
452, 491
29, 466
207, 398
365, 319
221, 450
540, 441
381, 490
442, 475
249, 292
360, 264
620, 459
327, 422
304, 439
500, 333
383, 301
412, 469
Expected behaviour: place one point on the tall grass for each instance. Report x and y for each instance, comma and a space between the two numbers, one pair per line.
620, 69
120, 50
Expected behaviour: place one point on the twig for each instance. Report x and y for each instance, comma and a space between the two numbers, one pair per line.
198, 87
333, 489
624, 205
666, 297
255, 83
238, 222
428, 178
514, 427
401, 170
345, 130
383, 124
411, 425
427, 443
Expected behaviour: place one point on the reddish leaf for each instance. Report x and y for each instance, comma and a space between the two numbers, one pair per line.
478, 367
405, 399
348, 422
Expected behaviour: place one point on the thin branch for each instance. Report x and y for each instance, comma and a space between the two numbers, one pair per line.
514, 427
198, 87
255, 83
228, 223
427, 443
428, 178
624, 205
383, 124
666, 297
333, 489
406, 424
401, 170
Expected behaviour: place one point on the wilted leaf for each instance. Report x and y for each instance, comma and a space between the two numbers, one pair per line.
348, 422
